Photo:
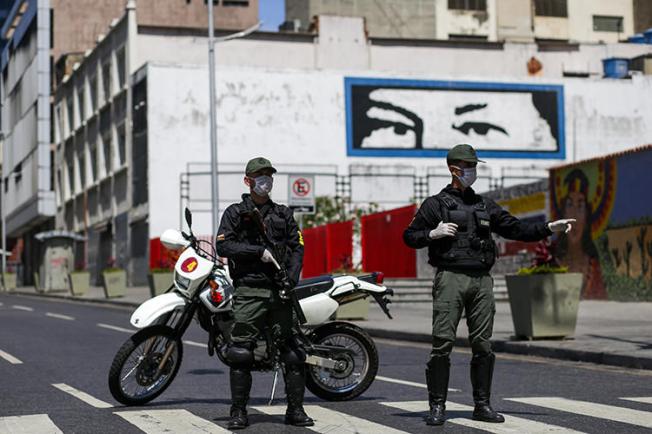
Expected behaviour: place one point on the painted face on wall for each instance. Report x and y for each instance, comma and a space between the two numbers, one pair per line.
428, 118
575, 207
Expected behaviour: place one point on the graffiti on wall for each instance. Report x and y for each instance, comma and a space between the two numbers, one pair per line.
611, 243
419, 118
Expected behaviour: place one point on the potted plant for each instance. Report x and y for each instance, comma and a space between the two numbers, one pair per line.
115, 280
544, 298
80, 281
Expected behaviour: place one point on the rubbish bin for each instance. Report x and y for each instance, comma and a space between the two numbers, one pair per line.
615, 67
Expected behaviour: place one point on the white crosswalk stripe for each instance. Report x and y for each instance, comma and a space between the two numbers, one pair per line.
643, 399
29, 424
512, 424
8, 357
59, 316
82, 396
25, 308
408, 383
592, 409
170, 421
331, 421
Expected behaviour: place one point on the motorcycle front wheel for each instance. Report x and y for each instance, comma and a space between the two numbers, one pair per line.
357, 368
138, 373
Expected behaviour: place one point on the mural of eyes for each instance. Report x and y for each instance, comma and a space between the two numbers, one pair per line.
480, 128
388, 123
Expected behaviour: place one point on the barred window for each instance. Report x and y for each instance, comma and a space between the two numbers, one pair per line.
603, 23
468, 5
551, 8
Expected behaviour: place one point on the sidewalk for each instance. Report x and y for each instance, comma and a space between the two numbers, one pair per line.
608, 332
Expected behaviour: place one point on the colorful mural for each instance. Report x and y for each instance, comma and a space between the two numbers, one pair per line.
611, 243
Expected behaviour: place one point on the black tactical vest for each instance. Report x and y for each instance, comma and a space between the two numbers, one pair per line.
472, 248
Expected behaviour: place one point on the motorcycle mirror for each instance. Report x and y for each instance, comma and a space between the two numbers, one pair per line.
188, 218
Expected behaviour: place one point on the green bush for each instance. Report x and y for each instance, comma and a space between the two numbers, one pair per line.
161, 270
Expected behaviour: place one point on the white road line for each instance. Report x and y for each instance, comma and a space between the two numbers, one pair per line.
29, 424
195, 344
60, 316
11, 359
19, 307
331, 421
170, 421
511, 425
83, 396
408, 383
592, 409
116, 328
643, 399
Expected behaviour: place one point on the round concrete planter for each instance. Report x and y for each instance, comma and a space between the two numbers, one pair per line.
115, 283
159, 282
544, 305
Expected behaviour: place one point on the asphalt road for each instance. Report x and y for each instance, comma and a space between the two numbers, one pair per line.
46, 342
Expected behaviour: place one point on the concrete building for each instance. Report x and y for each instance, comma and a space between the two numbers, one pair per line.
492, 20
369, 117
39, 34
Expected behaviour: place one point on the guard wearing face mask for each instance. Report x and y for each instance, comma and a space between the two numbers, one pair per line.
257, 305
456, 226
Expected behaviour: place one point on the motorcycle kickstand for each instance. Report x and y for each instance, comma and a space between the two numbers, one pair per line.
271, 398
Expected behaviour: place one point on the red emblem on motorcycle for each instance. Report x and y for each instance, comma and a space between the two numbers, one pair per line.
189, 265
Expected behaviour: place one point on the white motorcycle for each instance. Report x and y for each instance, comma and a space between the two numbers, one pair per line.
341, 358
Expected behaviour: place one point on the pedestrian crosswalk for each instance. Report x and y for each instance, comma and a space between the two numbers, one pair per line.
390, 417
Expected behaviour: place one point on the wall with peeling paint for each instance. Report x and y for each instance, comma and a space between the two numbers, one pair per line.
298, 117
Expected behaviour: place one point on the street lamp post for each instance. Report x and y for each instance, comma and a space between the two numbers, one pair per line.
213, 121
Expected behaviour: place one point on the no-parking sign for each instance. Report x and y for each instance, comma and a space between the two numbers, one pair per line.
301, 196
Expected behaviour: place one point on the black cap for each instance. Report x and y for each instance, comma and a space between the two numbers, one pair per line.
463, 152
258, 163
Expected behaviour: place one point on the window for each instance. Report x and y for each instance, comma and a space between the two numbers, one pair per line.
122, 145
93, 163
243, 3
70, 114
106, 80
106, 145
468, 5
121, 65
550, 8
81, 163
92, 85
81, 103
602, 23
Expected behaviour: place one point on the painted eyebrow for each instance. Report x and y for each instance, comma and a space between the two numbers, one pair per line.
469, 108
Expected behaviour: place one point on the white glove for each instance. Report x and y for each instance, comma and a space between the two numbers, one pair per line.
267, 257
563, 225
443, 230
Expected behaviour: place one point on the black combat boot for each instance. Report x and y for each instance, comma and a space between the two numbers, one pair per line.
437, 372
482, 369
295, 383
240, 387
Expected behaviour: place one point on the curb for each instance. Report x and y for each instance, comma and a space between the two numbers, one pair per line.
526, 349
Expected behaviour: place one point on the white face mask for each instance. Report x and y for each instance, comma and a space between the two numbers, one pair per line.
468, 177
263, 185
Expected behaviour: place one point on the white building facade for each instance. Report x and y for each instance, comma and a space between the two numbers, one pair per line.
371, 119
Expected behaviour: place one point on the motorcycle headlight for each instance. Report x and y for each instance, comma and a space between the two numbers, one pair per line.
182, 282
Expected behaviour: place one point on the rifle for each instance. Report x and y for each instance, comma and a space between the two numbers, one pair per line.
287, 292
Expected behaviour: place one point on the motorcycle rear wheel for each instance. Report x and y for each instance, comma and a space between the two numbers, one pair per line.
132, 376
360, 369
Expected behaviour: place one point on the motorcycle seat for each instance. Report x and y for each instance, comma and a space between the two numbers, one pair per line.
314, 285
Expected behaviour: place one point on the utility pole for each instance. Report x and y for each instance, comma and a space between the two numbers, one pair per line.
211, 98
211, 86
